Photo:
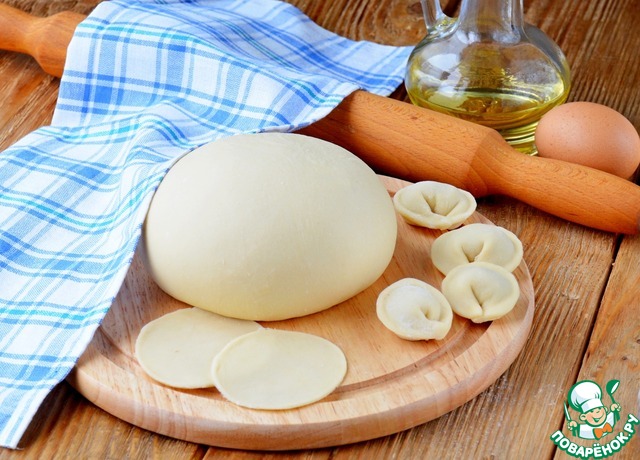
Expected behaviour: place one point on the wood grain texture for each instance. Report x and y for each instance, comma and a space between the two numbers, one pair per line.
391, 384
613, 351
600, 46
585, 281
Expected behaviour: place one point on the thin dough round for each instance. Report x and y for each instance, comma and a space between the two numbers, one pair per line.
268, 227
434, 204
414, 310
481, 291
177, 349
476, 243
276, 369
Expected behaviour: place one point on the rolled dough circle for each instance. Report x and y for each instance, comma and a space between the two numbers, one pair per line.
177, 349
275, 369
268, 227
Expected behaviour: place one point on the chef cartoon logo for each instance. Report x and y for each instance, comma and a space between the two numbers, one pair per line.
592, 416
596, 420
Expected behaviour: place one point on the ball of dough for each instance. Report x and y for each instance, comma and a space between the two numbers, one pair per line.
268, 227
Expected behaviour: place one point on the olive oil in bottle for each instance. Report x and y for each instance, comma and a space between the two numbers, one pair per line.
489, 68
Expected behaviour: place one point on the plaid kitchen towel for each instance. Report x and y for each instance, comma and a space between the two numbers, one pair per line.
145, 82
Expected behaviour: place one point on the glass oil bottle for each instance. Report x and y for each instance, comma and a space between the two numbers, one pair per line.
488, 67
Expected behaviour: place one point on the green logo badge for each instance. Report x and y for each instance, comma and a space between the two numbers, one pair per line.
596, 420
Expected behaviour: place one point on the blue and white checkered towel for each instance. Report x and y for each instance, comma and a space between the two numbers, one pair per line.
145, 82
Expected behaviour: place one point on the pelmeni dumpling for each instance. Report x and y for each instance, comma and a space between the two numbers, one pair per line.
434, 205
481, 291
476, 243
414, 310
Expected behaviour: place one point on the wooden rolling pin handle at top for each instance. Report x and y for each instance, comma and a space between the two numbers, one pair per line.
408, 142
45, 39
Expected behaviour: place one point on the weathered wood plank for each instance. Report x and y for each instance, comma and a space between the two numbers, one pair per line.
613, 351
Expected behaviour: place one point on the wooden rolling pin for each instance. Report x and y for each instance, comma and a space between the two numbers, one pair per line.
409, 142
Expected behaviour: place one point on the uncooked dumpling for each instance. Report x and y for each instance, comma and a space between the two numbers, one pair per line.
177, 349
276, 369
434, 204
414, 310
268, 227
476, 243
481, 291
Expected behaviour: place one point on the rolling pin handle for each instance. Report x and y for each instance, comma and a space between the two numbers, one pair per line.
44, 39
413, 143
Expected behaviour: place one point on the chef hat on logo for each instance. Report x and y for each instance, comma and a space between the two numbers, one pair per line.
585, 395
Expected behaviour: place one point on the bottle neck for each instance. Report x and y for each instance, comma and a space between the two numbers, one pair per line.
491, 20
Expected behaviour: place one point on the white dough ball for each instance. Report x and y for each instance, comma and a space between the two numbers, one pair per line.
268, 227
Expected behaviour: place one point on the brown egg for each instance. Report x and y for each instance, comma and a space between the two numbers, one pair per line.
591, 135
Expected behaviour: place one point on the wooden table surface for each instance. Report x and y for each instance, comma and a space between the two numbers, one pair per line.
587, 282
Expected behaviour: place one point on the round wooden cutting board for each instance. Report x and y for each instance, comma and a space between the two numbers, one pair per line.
391, 384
